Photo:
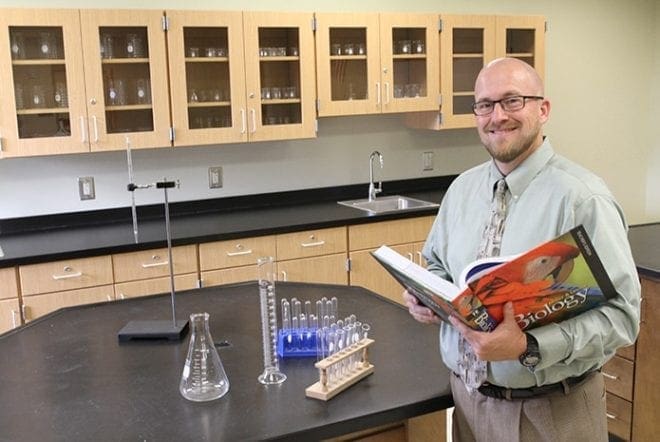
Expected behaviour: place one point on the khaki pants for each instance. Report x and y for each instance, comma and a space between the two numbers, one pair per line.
556, 417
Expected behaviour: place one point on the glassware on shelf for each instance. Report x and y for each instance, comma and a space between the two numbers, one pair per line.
293, 51
38, 97
20, 96
59, 95
192, 96
17, 46
404, 47
142, 91
361, 50
47, 47
107, 46
349, 49
335, 49
203, 378
193, 52
418, 47
116, 93
221, 52
134, 46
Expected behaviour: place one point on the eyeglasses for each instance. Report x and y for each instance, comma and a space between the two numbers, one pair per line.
509, 104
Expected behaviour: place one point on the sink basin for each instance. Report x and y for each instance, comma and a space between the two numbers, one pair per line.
394, 203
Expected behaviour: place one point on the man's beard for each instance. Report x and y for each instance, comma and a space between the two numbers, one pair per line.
515, 149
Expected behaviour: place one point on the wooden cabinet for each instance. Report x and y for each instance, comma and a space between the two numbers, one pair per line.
225, 262
10, 316
469, 42
73, 95
405, 236
48, 286
147, 272
647, 384
313, 256
373, 63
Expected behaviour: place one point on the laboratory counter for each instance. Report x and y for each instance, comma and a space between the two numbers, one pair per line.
65, 376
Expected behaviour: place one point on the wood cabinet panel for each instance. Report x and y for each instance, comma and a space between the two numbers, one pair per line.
65, 275
329, 269
10, 314
647, 381
366, 236
8, 283
619, 416
148, 264
618, 373
311, 243
154, 286
229, 275
39, 305
368, 273
627, 352
235, 253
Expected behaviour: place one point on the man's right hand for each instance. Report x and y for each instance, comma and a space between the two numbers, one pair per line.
418, 311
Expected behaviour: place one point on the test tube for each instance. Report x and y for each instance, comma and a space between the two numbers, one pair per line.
308, 308
286, 315
319, 309
335, 306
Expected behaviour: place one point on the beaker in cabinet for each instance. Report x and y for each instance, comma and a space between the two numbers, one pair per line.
203, 378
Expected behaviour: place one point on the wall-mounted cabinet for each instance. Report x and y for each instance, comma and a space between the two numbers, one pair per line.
82, 80
376, 63
469, 42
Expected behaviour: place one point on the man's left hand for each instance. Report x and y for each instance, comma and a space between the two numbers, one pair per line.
506, 342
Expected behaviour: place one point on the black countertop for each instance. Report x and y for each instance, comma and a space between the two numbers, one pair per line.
65, 376
26, 241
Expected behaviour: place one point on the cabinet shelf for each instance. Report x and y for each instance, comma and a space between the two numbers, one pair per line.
281, 101
128, 107
280, 58
348, 57
473, 55
124, 60
463, 93
206, 59
210, 104
519, 54
43, 111
38, 62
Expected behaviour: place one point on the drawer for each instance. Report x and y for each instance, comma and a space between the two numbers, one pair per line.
8, 283
618, 374
235, 253
627, 352
619, 416
311, 243
229, 276
149, 264
368, 236
146, 287
10, 314
329, 269
39, 305
65, 275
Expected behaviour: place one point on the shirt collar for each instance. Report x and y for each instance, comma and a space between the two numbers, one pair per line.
518, 180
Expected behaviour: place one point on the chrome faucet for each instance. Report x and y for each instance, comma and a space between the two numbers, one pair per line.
373, 190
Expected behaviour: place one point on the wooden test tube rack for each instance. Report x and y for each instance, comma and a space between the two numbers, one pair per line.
326, 388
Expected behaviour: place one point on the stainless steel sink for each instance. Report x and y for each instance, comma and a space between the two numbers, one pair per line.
394, 203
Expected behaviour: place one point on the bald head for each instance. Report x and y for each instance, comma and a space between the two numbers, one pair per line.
514, 71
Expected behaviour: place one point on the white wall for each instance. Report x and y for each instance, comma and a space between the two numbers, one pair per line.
602, 73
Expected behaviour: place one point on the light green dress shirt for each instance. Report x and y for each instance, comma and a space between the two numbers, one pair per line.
548, 195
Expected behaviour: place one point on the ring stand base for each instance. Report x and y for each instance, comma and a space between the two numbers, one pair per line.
141, 330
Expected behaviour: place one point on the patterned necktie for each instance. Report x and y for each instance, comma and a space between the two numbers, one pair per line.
472, 370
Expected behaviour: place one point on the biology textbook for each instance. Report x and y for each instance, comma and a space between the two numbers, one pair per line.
554, 281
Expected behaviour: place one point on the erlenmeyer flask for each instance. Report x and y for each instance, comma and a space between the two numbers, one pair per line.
203, 377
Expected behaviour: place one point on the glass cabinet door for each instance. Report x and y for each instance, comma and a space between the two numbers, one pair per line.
522, 37
409, 56
43, 94
466, 45
280, 82
206, 75
348, 60
125, 64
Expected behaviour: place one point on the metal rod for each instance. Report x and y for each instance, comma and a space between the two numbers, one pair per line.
129, 160
168, 234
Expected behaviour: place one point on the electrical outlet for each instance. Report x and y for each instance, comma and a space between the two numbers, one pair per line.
86, 188
215, 177
427, 161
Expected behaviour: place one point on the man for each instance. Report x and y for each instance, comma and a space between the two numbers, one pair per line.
558, 394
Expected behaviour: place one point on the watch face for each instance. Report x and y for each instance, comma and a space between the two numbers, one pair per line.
530, 360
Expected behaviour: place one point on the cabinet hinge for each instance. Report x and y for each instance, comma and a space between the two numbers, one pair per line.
318, 105
2, 146
172, 134
439, 99
545, 26
316, 125
166, 23
313, 24
440, 25
439, 118
348, 264
199, 284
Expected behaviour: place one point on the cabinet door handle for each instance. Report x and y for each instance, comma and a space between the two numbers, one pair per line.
67, 275
284, 276
387, 92
419, 256
312, 244
611, 416
610, 376
14, 314
96, 129
410, 256
83, 131
155, 264
24, 312
378, 92
243, 252
243, 121
253, 115
642, 309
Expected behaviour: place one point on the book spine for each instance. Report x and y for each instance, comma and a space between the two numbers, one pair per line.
593, 261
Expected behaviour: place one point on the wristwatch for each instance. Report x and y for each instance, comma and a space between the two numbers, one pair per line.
532, 355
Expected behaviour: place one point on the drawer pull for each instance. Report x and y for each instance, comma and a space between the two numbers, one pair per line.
14, 315
611, 416
155, 264
313, 244
610, 376
67, 276
244, 252
284, 276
